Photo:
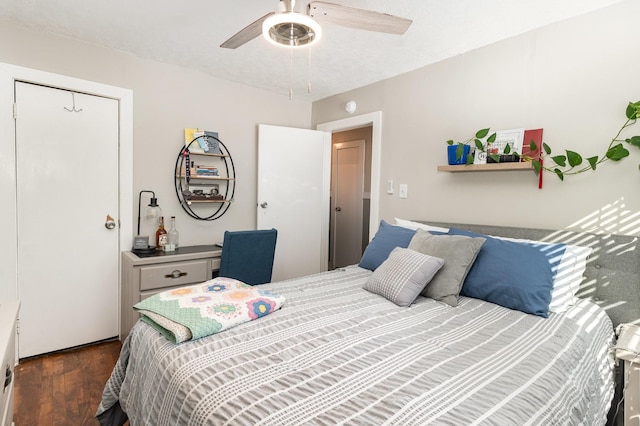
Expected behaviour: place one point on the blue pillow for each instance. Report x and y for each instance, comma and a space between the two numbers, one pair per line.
515, 275
386, 239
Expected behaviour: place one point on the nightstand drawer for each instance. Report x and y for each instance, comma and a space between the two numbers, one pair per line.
174, 274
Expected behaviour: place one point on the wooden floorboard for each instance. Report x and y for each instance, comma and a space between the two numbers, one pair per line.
63, 388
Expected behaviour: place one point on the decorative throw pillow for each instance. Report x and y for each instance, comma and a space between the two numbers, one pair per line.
458, 251
514, 275
386, 239
403, 275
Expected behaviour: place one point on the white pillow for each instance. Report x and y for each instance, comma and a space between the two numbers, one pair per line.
568, 278
417, 225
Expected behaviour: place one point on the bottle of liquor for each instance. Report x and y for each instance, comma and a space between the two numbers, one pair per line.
161, 235
172, 236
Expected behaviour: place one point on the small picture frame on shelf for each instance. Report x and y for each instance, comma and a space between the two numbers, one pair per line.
480, 157
511, 137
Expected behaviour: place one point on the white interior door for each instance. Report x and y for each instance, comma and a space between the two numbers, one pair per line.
294, 167
67, 184
347, 188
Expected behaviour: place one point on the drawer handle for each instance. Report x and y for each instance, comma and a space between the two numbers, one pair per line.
176, 274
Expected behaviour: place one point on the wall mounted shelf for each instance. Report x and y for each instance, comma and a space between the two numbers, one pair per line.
194, 189
194, 176
490, 167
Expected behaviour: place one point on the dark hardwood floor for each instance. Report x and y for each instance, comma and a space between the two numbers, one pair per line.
63, 388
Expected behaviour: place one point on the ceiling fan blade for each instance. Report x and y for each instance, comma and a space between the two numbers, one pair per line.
246, 34
358, 18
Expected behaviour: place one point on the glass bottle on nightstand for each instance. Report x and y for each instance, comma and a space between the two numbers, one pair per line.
172, 236
161, 235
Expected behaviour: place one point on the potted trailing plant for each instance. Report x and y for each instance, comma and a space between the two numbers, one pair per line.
460, 152
569, 163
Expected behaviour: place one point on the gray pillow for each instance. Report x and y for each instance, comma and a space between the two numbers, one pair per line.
403, 275
458, 251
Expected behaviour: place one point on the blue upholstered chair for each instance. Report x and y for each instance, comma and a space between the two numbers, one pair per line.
248, 255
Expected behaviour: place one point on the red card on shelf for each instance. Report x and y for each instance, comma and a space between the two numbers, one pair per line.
534, 135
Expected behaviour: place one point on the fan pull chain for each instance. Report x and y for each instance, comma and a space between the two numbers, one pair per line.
291, 74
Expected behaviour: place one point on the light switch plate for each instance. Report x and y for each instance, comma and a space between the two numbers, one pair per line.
390, 186
403, 189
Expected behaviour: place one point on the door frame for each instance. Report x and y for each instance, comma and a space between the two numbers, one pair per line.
373, 119
8, 75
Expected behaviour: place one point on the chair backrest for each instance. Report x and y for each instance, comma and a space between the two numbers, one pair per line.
248, 255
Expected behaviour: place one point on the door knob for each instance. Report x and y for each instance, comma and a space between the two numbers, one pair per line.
110, 223
264, 205
338, 209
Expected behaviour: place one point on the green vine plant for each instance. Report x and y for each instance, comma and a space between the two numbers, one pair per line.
572, 163
569, 163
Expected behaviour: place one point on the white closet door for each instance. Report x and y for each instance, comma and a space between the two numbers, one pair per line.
67, 184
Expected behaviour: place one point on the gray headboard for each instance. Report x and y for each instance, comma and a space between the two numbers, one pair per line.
612, 277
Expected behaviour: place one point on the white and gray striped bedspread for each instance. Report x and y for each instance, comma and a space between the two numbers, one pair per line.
337, 354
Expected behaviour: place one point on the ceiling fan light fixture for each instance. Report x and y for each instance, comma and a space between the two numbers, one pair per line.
291, 29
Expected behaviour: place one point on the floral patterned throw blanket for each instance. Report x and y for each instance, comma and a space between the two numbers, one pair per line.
192, 312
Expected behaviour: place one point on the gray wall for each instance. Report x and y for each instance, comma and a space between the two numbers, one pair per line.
167, 99
573, 78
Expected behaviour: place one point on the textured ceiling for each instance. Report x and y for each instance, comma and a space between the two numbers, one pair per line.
188, 33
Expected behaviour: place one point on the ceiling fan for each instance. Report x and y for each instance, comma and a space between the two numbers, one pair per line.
286, 27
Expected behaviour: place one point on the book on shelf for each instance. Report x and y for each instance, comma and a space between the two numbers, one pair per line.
195, 173
189, 135
206, 171
212, 141
504, 158
206, 142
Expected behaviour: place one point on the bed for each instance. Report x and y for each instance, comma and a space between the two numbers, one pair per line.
336, 353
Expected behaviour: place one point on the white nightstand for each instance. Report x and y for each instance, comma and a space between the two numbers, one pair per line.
144, 276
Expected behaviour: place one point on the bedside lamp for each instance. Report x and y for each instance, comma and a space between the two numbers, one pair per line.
151, 212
